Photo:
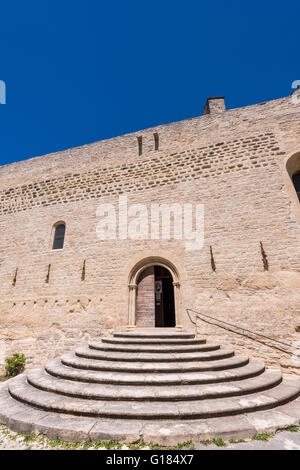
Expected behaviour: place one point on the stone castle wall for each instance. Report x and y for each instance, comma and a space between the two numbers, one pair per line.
233, 162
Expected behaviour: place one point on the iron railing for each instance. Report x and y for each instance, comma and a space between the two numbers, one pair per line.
244, 330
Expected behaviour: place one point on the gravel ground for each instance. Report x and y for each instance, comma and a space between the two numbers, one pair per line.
10, 440
284, 440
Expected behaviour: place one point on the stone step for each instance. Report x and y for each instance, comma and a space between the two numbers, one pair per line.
157, 385
72, 360
161, 348
142, 341
24, 419
154, 333
39, 379
152, 357
22, 391
57, 369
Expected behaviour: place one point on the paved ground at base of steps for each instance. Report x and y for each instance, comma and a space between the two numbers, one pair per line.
284, 440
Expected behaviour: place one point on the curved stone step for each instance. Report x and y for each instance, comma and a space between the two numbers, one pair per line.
118, 340
59, 370
161, 348
24, 392
154, 334
152, 357
39, 379
22, 418
72, 360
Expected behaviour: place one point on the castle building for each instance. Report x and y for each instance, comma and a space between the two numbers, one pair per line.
129, 232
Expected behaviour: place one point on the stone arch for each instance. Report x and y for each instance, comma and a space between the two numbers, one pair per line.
292, 168
293, 164
133, 277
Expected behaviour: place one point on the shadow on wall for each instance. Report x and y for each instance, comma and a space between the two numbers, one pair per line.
266, 303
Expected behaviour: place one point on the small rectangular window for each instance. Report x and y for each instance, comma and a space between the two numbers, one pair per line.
140, 144
156, 141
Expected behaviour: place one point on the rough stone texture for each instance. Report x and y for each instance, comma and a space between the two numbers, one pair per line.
234, 162
214, 105
283, 440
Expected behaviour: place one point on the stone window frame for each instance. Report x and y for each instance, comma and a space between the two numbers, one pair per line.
54, 226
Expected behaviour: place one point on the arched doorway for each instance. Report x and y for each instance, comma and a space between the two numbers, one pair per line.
154, 298
155, 304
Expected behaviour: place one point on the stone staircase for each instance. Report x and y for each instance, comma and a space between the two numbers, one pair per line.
163, 385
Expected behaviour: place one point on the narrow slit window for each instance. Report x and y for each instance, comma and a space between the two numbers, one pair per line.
140, 145
156, 141
59, 237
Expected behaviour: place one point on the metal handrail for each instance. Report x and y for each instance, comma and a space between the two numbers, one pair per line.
240, 328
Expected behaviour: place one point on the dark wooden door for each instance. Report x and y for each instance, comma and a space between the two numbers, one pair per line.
164, 298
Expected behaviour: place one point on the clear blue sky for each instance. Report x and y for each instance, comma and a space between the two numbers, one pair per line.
81, 71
